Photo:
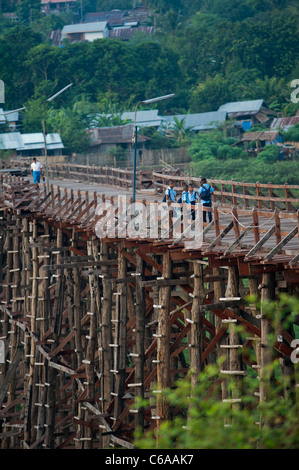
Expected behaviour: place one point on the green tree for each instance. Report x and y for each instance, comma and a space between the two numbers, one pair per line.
70, 126
28, 10
292, 135
15, 43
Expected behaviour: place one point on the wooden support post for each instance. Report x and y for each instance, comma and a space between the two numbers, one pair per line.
33, 312
267, 294
219, 292
106, 329
163, 344
121, 340
196, 330
56, 319
235, 359
140, 341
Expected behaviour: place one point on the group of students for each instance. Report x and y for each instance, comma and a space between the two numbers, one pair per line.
191, 196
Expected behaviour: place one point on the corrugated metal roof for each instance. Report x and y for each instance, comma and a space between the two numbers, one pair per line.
11, 117
262, 135
33, 141
284, 123
247, 107
148, 118
95, 26
115, 135
10, 140
199, 121
126, 33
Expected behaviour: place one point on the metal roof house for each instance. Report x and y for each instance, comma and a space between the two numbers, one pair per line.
103, 138
284, 123
248, 113
198, 122
10, 119
49, 7
85, 31
148, 118
28, 145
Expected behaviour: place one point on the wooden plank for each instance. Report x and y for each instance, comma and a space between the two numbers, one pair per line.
219, 238
280, 245
261, 242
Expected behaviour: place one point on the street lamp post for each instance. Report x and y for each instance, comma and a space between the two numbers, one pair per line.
45, 129
134, 138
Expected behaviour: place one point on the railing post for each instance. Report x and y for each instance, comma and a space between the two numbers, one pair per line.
216, 221
277, 227
287, 195
255, 221
258, 195
236, 222
234, 199
271, 196
245, 193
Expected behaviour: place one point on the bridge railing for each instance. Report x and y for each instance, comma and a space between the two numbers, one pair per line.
268, 196
115, 177
248, 195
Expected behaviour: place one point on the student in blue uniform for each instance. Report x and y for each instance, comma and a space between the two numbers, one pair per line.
170, 193
205, 192
192, 199
184, 197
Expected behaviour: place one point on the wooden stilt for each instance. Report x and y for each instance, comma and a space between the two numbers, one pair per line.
163, 342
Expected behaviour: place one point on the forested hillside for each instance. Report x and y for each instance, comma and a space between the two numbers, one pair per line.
207, 52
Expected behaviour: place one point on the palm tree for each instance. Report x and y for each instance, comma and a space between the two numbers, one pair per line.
177, 129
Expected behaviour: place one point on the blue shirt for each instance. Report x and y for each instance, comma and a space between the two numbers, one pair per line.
185, 196
192, 197
207, 186
170, 192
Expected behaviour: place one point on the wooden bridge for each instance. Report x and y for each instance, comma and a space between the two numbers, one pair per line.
90, 324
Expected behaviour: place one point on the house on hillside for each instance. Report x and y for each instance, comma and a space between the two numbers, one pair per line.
148, 118
117, 17
262, 138
284, 123
122, 24
103, 138
85, 31
197, 122
248, 113
30, 145
49, 7
125, 34
11, 119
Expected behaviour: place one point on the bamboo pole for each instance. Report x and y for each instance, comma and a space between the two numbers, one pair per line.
140, 342
163, 345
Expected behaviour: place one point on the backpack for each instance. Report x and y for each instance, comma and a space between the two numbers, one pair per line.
164, 199
205, 193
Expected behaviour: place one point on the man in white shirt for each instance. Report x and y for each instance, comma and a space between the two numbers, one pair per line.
36, 170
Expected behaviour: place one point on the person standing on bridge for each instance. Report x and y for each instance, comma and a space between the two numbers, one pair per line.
192, 198
170, 193
36, 170
205, 192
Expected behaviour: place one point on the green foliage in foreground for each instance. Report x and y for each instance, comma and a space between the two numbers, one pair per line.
204, 421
